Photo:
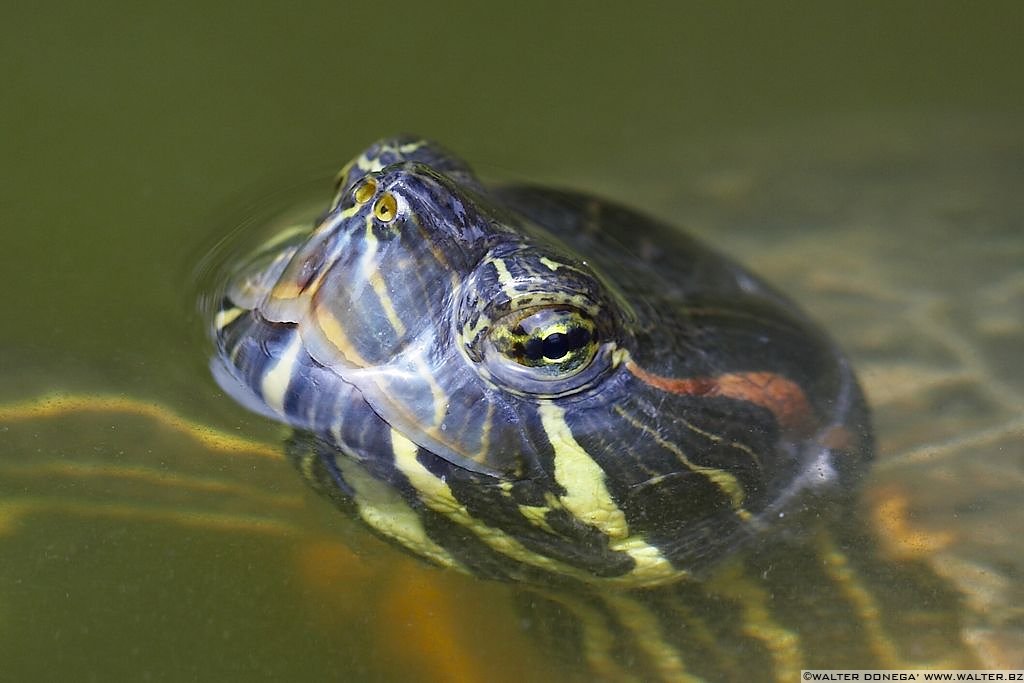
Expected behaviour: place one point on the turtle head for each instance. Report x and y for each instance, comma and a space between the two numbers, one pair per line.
444, 311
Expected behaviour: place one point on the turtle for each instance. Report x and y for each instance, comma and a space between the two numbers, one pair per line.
542, 387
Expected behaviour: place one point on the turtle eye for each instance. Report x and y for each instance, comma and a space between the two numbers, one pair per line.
544, 343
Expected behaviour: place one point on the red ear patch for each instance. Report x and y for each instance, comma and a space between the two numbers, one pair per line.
783, 397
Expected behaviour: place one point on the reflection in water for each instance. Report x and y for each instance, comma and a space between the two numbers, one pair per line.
147, 491
190, 476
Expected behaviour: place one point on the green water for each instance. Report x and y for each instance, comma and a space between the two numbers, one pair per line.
868, 157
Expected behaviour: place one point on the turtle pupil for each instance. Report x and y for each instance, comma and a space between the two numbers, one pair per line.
557, 344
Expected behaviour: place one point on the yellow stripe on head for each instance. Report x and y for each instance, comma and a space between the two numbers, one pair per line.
335, 334
726, 482
586, 494
276, 380
226, 316
383, 509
